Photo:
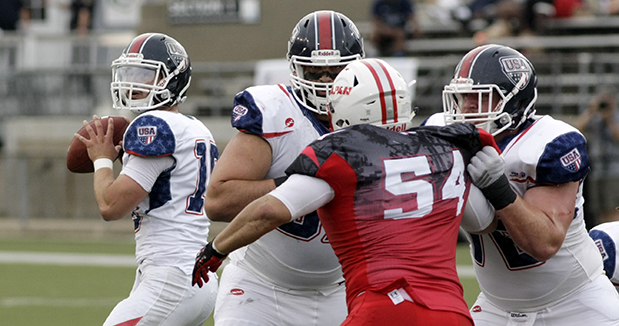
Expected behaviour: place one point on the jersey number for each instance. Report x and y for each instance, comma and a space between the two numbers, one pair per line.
195, 202
404, 176
513, 256
304, 228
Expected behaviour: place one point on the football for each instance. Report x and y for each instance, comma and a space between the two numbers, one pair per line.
77, 154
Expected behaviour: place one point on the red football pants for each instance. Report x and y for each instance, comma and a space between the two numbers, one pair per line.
376, 309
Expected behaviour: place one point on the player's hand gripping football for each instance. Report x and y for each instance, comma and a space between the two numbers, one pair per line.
487, 170
208, 259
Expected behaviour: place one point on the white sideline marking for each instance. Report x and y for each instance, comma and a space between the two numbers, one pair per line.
45, 258
55, 302
52, 258
465, 271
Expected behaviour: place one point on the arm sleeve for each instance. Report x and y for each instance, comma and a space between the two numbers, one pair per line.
478, 213
146, 170
303, 194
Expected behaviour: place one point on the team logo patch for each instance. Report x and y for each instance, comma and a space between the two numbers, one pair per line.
516, 68
238, 112
237, 291
342, 90
289, 122
147, 134
178, 55
572, 160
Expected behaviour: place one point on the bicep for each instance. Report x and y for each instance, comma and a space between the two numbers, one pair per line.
135, 181
558, 202
129, 193
246, 157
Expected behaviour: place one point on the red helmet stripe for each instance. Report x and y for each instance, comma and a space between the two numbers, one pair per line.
379, 84
138, 42
393, 97
325, 30
468, 62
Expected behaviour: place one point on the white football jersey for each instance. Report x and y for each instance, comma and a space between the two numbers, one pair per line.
296, 255
545, 151
606, 238
170, 224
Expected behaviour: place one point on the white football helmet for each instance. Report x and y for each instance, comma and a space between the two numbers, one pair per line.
370, 91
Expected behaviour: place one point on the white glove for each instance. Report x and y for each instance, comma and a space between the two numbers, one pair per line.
487, 170
486, 167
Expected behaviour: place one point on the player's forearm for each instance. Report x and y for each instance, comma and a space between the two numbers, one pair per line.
257, 219
226, 199
103, 179
532, 230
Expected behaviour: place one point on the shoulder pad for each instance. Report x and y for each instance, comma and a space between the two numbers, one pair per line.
149, 135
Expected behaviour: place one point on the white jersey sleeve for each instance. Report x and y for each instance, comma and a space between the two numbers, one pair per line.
281, 256
170, 223
303, 194
145, 171
606, 238
478, 213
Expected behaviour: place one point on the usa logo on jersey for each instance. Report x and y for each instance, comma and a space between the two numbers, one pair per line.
238, 112
147, 134
572, 160
602, 249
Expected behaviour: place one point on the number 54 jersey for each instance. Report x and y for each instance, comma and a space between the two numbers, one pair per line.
397, 206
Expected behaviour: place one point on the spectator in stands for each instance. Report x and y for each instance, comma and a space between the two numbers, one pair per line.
390, 18
81, 16
600, 124
14, 15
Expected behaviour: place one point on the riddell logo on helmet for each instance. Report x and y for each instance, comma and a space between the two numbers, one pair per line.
326, 53
342, 90
398, 128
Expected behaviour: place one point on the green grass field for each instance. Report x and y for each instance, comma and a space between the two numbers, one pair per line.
59, 295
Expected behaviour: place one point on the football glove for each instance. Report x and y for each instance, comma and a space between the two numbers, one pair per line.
208, 259
487, 171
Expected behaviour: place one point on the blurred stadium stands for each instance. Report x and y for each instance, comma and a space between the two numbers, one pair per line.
50, 83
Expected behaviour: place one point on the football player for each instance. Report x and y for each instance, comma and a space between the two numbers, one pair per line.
539, 267
167, 162
383, 198
290, 276
606, 238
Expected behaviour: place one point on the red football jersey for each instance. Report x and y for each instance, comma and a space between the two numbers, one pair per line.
397, 207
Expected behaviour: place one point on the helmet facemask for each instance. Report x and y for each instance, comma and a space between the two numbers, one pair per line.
312, 93
494, 120
152, 72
